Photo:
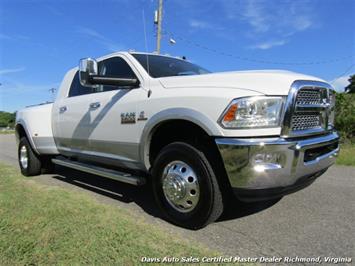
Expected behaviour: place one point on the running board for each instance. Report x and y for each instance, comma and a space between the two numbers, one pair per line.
109, 173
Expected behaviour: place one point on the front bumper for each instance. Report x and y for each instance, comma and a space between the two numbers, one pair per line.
260, 169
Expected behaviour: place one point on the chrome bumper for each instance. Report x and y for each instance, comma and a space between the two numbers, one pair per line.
276, 163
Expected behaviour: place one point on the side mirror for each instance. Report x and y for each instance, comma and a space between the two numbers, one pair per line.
89, 77
87, 68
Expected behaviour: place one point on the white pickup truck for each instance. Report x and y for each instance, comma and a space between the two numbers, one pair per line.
195, 136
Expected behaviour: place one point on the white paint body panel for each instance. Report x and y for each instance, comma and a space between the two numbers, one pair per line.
268, 82
37, 123
200, 99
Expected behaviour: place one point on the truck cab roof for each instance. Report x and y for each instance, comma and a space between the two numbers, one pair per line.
137, 52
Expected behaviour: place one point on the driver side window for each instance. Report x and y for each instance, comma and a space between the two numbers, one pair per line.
115, 67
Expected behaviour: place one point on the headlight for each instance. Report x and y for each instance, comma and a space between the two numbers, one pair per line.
253, 112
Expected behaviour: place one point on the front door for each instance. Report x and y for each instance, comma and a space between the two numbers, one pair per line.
113, 132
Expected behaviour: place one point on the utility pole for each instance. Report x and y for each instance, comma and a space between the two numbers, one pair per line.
53, 91
158, 20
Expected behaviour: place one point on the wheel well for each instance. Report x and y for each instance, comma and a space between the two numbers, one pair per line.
186, 131
20, 131
177, 130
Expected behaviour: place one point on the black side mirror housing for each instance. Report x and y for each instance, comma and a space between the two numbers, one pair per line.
121, 82
89, 77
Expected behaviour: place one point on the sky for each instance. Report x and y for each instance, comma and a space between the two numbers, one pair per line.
40, 40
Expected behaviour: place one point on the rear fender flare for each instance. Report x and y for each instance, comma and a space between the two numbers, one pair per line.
22, 123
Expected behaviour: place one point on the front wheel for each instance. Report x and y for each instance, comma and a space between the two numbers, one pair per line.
185, 186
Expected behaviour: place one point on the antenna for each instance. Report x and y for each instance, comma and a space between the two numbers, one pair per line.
146, 51
53, 91
145, 41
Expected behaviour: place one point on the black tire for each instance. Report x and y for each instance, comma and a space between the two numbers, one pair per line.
34, 165
210, 204
46, 163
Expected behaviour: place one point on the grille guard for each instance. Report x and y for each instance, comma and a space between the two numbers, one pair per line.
291, 108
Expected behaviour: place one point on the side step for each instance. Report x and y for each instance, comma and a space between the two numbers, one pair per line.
96, 170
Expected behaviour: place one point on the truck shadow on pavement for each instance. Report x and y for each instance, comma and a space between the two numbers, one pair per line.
143, 197
237, 209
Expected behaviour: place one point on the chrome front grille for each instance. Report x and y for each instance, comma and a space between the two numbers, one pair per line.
308, 109
304, 121
308, 97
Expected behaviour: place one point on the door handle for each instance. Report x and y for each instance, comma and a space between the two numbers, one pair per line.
95, 105
62, 109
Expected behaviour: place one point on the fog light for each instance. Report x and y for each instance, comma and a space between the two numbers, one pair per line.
262, 158
266, 161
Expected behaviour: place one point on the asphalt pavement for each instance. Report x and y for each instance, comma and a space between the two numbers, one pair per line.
316, 221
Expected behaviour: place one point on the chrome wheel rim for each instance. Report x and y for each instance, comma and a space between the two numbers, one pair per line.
23, 157
180, 186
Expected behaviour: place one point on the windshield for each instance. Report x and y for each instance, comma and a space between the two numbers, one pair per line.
162, 66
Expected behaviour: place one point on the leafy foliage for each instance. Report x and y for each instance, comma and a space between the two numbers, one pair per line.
351, 87
7, 119
346, 155
345, 116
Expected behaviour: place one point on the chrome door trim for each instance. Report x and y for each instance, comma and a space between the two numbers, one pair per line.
95, 105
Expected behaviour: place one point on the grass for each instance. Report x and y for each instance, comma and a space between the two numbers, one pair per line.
5, 132
346, 155
50, 225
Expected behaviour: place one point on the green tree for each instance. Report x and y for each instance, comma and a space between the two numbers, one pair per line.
345, 116
351, 87
7, 119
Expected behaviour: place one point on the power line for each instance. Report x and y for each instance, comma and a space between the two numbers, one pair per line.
343, 74
260, 61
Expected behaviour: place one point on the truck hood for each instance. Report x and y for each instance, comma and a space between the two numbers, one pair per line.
268, 82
